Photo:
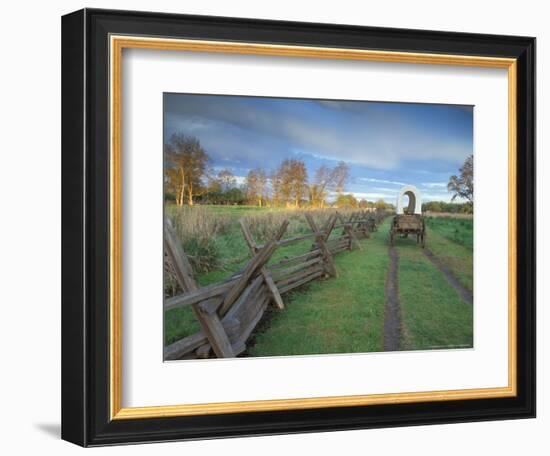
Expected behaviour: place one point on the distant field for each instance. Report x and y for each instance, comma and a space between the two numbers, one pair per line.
337, 315
458, 230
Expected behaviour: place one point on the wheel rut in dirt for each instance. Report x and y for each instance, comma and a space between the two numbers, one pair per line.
463, 292
392, 310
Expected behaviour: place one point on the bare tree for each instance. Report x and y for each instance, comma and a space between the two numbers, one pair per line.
340, 177
463, 185
318, 190
281, 182
186, 163
226, 180
256, 182
298, 179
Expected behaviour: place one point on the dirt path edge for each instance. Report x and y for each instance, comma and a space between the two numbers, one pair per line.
392, 309
463, 292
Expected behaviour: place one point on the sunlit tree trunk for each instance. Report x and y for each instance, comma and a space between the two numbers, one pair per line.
190, 200
179, 198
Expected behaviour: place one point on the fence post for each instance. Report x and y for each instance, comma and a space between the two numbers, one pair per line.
320, 240
210, 323
253, 247
353, 242
257, 262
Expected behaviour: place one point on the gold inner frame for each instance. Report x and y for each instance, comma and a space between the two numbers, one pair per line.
117, 44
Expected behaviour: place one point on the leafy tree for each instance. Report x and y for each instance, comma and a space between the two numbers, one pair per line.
442, 206
234, 196
463, 185
381, 204
289, 182
346, 201
186, 162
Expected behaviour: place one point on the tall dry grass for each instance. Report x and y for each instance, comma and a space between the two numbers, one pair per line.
264, 226
200, 227
197, 228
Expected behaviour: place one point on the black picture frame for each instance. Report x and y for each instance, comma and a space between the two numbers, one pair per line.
85, 227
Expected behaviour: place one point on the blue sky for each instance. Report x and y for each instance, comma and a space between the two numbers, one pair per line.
386, 145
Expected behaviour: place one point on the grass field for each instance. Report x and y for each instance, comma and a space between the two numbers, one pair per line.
341, 315
345, 314
452, 240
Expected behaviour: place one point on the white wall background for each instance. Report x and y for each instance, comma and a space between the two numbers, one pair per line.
30, 192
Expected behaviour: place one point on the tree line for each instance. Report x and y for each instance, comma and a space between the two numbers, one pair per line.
461, 186
189, 179
452, 208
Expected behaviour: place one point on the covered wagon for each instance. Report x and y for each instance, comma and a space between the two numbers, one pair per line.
409, 219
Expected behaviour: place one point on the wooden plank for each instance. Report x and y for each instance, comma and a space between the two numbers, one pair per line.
248, 237
340, 250
300, 275
178, 258
338, 240
292, 240
265, 273
183, 346
252, 267
320, 240
232, 328
330, 227
249, 291
247, 331
252, 309
210, 306
298, 258
217, 337
241, 283
237, 309
248, 321
196, 296
285, 272
338, 246
301, 282
273, 289
210, 323
354, 243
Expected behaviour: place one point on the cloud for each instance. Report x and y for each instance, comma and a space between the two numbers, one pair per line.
387, 145
434, 184
380, 181
368, 134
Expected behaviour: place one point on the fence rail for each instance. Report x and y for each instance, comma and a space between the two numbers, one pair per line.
229, 311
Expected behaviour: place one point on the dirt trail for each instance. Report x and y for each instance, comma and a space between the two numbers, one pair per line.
392, 311
464, 293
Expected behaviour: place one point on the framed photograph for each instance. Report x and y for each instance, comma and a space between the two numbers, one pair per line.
272, 227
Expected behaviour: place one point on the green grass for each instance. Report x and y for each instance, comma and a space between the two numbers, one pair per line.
458, 230
240, 211
452, 241
337, 315
180, 323
346, 314
433, 314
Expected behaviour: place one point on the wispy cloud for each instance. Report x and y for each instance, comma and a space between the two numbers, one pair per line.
380, 181
434, 184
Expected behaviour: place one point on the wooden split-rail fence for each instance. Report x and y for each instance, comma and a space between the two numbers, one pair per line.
229, 311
